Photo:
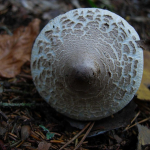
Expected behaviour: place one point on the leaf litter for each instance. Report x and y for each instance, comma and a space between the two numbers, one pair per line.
15, 50
143, 92
21, 123
143, 137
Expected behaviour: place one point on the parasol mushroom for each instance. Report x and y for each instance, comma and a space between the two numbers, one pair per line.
86, 63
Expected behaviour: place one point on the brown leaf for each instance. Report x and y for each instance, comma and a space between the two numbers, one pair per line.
143, 137
143, 92
16, 50
44, 145
25, 132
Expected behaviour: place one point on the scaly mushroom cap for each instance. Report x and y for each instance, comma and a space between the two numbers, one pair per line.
86, 63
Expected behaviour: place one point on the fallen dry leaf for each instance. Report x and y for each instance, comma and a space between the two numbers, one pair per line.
16, 50
25, 132
44, 145
143, 137
144, 93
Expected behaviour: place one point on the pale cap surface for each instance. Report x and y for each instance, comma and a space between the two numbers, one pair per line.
86, 63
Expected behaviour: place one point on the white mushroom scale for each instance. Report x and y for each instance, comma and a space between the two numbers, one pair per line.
86, 63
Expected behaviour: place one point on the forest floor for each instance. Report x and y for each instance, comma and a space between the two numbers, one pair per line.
26, 121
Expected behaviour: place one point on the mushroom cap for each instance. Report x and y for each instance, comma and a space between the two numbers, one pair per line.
86, 63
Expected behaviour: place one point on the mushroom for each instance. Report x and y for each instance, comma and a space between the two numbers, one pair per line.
86, 63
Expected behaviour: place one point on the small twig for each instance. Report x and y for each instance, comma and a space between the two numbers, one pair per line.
132, 121
15, 98
39, 133
13, 128
25, 76
139, 122
14, 144
20, 144
86, 134
35, 136
22, 84
16, 91
13, 135
17, 104
3, 115
33, 104
57, 141
75, 136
